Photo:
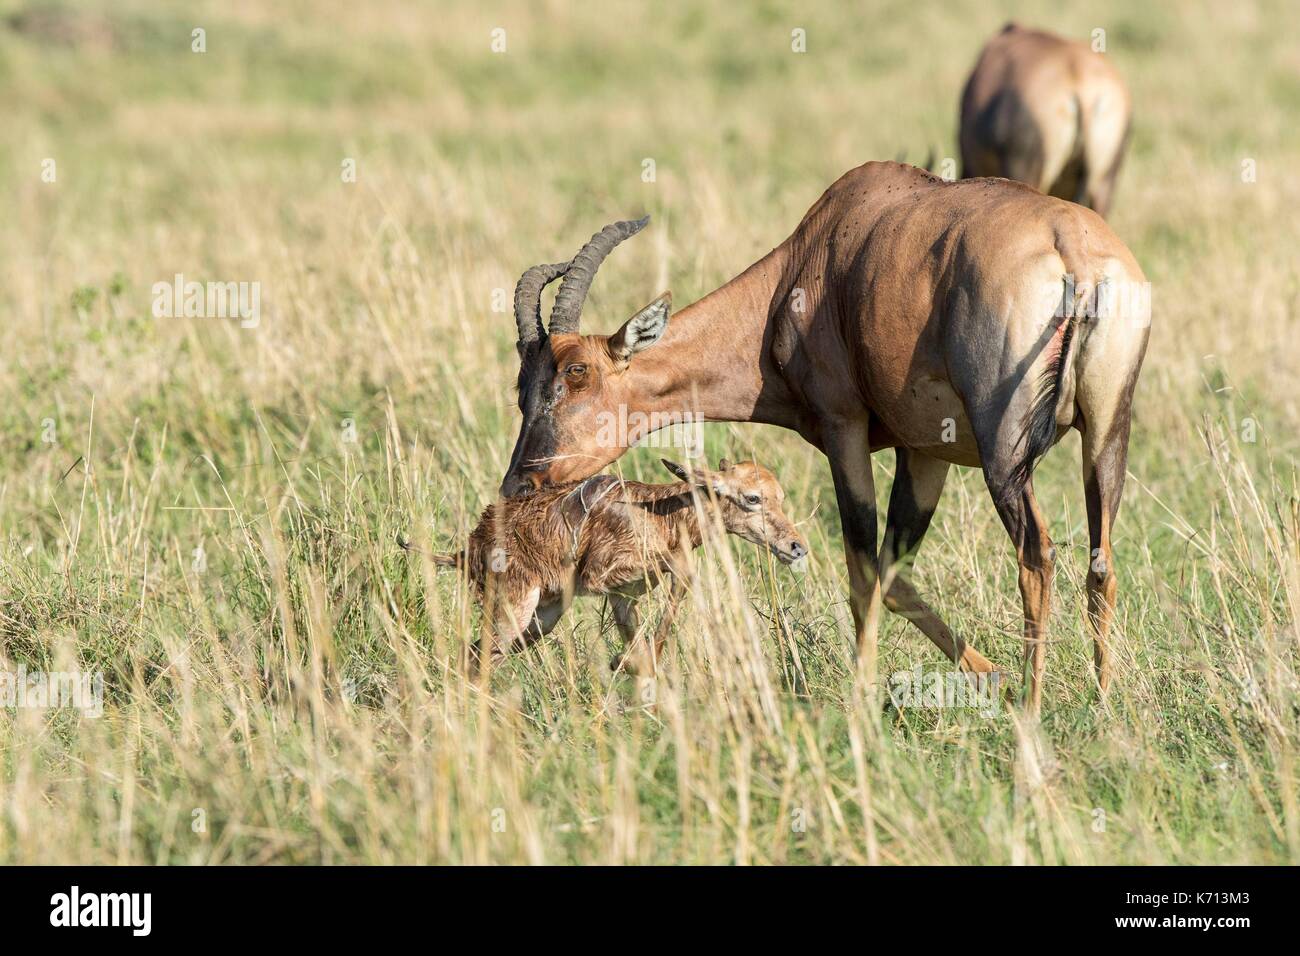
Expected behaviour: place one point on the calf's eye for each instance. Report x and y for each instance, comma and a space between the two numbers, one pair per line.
576, 371
752, 499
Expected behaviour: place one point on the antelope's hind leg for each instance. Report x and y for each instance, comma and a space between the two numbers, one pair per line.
1104, 463
1014, 425
1021, 516
918, 484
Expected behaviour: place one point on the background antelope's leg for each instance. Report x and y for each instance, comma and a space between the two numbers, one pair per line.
1107, 142
1102, 190
1105, 460
918, 483
1024, 161
850, 455
1018, 509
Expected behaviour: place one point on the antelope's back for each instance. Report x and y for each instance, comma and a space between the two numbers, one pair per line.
928, 272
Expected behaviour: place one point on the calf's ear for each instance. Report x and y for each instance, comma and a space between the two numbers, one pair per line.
698, 476
676, 469
641, 331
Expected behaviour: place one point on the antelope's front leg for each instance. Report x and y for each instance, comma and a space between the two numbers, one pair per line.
849, 451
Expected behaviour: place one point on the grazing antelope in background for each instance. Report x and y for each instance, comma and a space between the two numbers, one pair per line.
967, 323
529, 556
1048, 112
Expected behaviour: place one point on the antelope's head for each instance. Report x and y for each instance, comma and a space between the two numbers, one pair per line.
751, 504
573, 392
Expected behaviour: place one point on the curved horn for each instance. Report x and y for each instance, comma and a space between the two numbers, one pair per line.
573, 290
528, 300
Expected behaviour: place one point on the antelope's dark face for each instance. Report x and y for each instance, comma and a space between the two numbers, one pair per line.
573, 391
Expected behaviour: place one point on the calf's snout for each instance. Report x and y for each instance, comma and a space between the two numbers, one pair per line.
789, 550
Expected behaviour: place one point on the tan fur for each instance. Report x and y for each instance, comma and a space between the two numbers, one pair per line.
904, 312
1048, 112
530, 555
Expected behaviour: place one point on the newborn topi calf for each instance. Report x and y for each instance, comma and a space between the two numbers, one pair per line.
530, 555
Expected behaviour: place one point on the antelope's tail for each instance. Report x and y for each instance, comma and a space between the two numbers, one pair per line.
454, 560
1055, 388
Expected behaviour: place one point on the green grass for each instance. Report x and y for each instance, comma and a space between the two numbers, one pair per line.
294, 696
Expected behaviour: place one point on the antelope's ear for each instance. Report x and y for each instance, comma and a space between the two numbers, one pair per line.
724, 464
641, 331
676, 469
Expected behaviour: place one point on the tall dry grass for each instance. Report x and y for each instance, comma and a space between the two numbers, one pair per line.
281, 682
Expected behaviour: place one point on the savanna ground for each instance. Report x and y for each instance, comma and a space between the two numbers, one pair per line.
183, 507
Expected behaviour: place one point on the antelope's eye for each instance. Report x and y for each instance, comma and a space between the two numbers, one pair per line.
576, 371
752, 500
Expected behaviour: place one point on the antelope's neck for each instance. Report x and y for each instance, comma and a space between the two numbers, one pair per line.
712, 363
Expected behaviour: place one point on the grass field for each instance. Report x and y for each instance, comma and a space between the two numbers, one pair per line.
205, 512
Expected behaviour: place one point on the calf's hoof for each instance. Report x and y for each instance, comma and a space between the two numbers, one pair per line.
634, 664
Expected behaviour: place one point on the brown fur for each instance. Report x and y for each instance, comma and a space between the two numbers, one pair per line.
530, 555
1048, 112
904, 312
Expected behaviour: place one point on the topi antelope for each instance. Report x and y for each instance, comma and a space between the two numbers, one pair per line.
967, 323
1048, 112
530, 555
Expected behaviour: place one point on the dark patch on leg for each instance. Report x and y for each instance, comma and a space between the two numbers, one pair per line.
907, 520
857, 519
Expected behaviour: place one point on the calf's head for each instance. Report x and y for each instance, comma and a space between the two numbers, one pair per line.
573, 389
750, 501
